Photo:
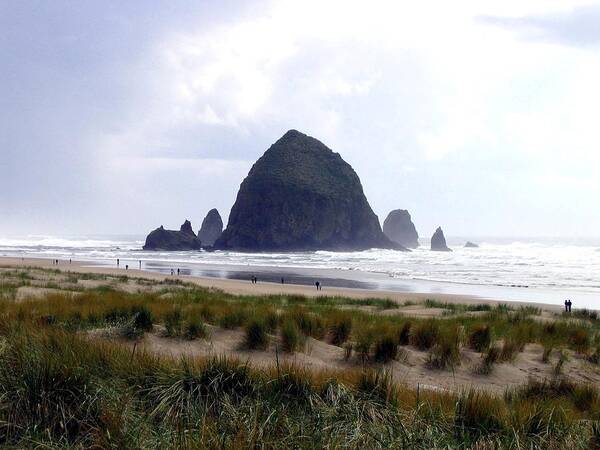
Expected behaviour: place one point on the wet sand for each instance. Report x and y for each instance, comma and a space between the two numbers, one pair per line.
244, 287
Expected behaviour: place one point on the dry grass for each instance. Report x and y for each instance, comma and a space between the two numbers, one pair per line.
58, 389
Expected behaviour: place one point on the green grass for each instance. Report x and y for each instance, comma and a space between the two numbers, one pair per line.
59, 389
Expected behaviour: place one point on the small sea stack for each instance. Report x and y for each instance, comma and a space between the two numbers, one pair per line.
438, 241
470, 244
211, 229
173, 240
399, 228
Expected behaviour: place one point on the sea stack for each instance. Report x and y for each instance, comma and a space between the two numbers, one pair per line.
470, 244
438, 241
298, 196
172, 240
398, 227
211, 229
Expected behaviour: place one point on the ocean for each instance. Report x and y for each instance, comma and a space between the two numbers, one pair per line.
541, 270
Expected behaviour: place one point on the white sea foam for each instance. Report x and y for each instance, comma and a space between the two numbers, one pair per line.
497, 262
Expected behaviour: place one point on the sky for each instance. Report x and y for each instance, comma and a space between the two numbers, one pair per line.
479, 116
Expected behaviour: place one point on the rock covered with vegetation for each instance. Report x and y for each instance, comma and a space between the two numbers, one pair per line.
398, 227
438, 241
184, 239
300, 195
211, 229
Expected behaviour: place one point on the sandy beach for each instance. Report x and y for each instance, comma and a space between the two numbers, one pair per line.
242, 287
318, 354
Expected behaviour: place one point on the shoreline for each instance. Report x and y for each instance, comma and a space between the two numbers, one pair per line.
243, 287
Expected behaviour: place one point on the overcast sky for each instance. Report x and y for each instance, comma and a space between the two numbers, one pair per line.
482, 117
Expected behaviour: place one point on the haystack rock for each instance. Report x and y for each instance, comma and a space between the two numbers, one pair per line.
184, 239
211, 229
438, 241
300, 195
470, 244
399, 228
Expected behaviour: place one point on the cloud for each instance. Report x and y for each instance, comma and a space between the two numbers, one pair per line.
124, 117
577, 27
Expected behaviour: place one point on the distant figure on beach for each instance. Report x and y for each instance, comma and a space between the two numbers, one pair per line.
172, 271
566, 305
118, 262
126, 266
140, 264
282, 281
253, 279
69, 260
318, 285
178, 272
569, 304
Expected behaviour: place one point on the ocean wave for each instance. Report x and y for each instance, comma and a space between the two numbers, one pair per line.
516, 263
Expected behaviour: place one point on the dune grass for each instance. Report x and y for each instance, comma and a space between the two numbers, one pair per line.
61, 389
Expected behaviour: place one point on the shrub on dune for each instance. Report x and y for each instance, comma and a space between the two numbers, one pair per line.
580, 339
308, 323
256, 335
424, 335
340, 330
480, 338
173, 322
194, 328
364, 343
489, 358
141, 321
142, 318
446, 352
404, 333
292, 339
509, 350
386, 349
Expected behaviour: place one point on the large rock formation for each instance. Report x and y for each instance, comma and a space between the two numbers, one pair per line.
211, 229
438, 241
470, 244
184, 239
399, 228
302, 196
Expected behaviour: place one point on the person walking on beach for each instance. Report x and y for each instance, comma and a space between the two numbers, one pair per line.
126, 266
570, 303
178, 272
118, 262
140, 264
318, 285
172, 271
566, 305
282, 281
